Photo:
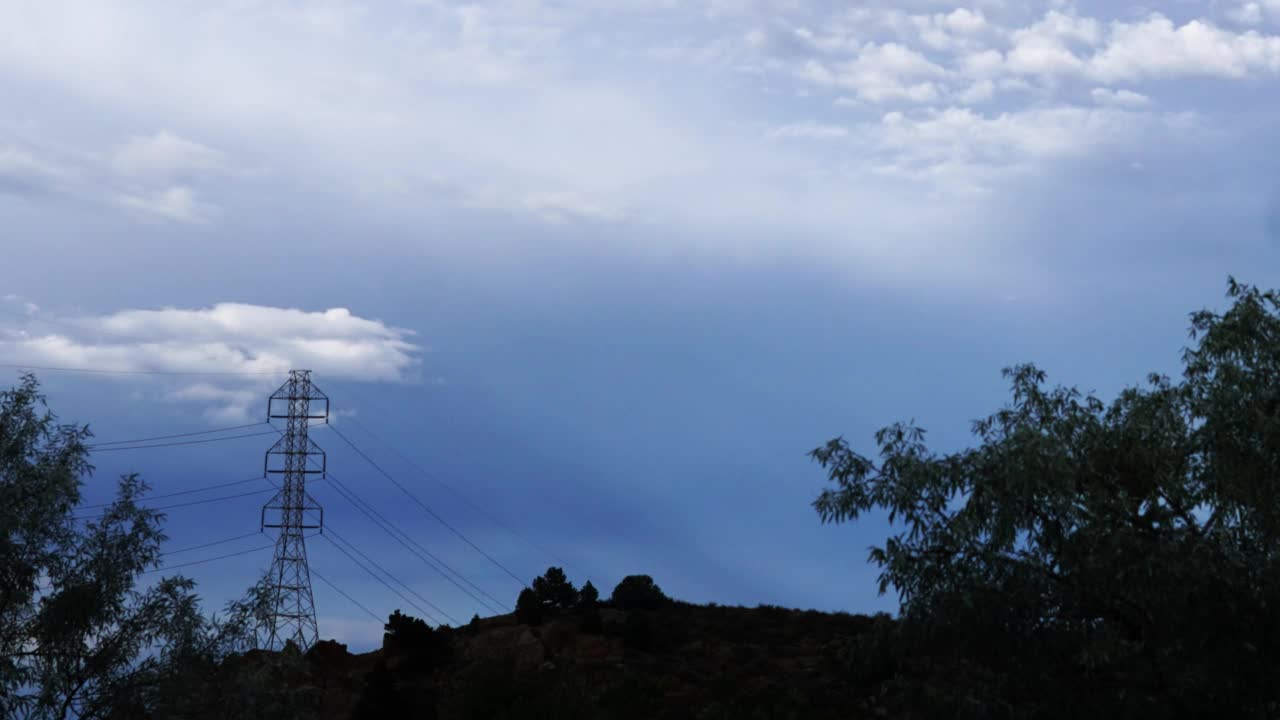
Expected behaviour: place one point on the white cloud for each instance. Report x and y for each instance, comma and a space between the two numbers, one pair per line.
226, 406
601, 113
225, 338
1049, 46
880, 73
1120, 98
1156, 48
966, 21
164, 155
808, 130
982, 65
177, 203
1254, 12
22, 172
151, 176
1246, 13
966, 148
979, 92
563, 207
25, 306
961, 28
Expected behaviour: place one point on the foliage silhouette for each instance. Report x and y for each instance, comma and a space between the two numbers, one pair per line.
638, 592
547, 596
555, 591
1119, 559
529, 609
76, 637
411, 638
588, 597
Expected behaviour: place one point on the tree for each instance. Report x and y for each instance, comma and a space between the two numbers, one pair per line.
77, 639
413, 638
404, 633
530, 610
1085, 545
554, 590
638, 592
588, 596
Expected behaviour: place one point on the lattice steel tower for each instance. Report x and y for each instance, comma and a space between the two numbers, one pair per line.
291, 509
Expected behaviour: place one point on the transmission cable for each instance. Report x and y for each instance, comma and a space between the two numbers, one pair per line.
371, 561
459, 494
385, 584
413, 546
343, 594
185, 442
179, 435
176, 494
399, 535
210, 544
193, 562
185, 504
422, 553
331, 532
209, 560
425, 507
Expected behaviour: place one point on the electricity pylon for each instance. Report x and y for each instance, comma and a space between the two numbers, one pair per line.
293, 610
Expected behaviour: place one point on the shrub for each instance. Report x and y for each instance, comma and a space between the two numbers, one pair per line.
638, 592
529, 608
589, 596
555, 591
412, 637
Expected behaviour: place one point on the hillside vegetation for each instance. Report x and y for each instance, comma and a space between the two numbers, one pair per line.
666, 660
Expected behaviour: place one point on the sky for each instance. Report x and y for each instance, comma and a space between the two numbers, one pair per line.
607, 271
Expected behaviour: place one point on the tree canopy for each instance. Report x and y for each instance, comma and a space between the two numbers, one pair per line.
1128, 548
77, 636
638, 592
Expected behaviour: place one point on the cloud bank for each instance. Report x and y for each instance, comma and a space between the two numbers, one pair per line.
708, 126
261, 342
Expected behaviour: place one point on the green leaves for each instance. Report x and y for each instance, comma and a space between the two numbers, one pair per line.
77, 638
1140, 533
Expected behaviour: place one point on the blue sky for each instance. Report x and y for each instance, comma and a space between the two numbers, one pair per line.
611, 270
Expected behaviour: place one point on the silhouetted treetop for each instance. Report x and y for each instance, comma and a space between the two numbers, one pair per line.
1133, 542
638, 592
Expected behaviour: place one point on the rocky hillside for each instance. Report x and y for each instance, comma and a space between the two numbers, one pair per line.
676, 661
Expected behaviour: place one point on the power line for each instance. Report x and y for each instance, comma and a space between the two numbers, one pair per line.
100, 371
425, 507
371, 561
182, 492
375, 576
194, 562
343, 594
185, 504
211, 544
458, 493
411, 545
209, 560
168, 437
184, 442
